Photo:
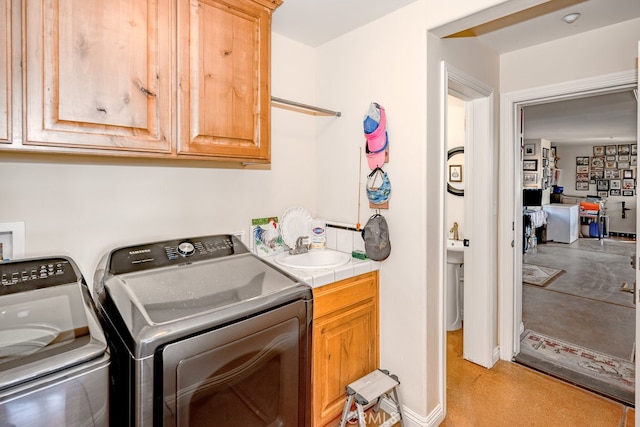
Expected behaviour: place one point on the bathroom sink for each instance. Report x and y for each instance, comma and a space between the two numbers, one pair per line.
455, 245
320, 258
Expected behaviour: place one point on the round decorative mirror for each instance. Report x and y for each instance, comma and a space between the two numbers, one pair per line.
459, 190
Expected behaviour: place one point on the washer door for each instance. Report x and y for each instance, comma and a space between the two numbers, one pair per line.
251, 373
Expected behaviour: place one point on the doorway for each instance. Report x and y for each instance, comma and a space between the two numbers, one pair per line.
480, 293
577, 281
511, 308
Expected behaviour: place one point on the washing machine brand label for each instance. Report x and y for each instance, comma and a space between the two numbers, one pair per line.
139, 251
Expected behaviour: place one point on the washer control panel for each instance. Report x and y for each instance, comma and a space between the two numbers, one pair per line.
173, 252
25, 275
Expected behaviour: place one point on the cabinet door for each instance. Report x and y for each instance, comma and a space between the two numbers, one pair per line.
5, 70
224, 78
345, 342
98, 74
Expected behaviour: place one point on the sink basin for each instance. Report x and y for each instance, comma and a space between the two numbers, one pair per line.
455, 251
314, 259
455, 245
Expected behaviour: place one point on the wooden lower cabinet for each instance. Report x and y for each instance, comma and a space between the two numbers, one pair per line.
345, 341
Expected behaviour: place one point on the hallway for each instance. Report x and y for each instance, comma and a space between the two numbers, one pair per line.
512, 395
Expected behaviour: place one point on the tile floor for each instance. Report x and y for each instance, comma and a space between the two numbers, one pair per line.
512, 395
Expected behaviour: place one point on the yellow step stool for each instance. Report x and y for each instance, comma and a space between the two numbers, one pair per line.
367, 392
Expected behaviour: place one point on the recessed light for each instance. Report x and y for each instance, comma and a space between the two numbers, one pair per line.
571, 18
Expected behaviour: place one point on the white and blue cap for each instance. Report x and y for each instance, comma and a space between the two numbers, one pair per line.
378, 187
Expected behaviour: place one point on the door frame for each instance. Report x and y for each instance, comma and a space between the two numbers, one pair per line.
480, 222
510, 218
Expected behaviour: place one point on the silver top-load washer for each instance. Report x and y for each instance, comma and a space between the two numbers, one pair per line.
53, 353
201, 329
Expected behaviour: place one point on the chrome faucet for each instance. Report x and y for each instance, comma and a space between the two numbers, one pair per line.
301, 246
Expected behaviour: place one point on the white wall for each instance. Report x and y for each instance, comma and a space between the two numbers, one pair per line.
83, 208
594, 53
386, 61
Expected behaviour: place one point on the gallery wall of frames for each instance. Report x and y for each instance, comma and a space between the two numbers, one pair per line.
610, 170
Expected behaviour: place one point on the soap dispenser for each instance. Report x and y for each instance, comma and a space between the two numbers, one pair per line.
318, 234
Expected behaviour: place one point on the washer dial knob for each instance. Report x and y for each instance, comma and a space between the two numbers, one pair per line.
186, 249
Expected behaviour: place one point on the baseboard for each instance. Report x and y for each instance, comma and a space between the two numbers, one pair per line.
496, 355
412, 419
620, 234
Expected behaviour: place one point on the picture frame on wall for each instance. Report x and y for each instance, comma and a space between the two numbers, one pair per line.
612, 174
582, 169
582, 160
623, 165
530, 165
614, 193
455, 173
610, 165
628, 184
582, 177
582, 186
624, 149
623, 158
545, 153
602, 194
529, 149
615, 184
610, 150
633, 160
530, 179
598, 150
602, 185
627, 193
634, 149
610, 158
627, 174
597, 162
595, 175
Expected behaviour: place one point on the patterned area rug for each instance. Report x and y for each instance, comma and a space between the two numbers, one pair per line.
538, 275
598, 372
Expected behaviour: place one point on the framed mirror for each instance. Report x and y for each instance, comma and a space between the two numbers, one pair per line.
455, 187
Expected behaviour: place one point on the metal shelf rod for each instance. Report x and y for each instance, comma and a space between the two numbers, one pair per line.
303, 108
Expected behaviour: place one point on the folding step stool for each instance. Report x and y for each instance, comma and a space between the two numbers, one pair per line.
366, 392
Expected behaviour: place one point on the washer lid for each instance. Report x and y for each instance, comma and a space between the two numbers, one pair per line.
158, 297
171, 294
45, 324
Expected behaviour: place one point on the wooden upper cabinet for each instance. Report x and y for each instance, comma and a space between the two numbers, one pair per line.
98, 74
224, 98
5, 70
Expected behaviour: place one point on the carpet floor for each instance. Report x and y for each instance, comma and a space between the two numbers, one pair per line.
600, 372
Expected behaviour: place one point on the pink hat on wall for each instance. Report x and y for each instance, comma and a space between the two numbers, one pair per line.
375, 131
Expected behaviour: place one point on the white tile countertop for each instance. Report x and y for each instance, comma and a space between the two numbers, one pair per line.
324, 276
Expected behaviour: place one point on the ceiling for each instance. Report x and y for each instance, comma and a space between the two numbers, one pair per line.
598, 119
315, 22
